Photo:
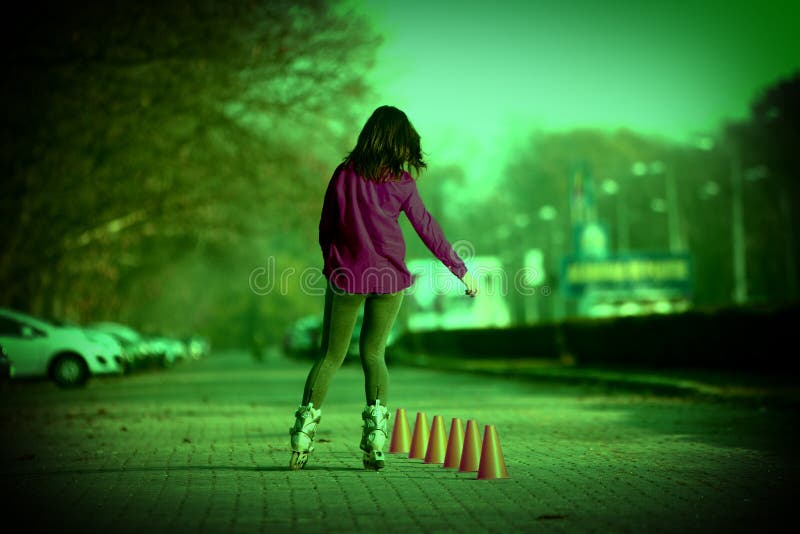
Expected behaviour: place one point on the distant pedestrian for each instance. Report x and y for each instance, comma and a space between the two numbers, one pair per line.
364, 263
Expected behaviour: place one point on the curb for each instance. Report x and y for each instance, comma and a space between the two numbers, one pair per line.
705, 384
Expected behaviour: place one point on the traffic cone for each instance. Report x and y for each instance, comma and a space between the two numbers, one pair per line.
437, 443
419, 441
493, 465
471, 453
401, 433
454, 444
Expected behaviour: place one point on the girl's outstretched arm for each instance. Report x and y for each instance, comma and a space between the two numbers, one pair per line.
431, 233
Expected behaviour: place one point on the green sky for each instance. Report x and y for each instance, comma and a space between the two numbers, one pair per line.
473, 75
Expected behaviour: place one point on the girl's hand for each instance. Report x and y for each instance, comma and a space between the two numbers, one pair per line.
471, 283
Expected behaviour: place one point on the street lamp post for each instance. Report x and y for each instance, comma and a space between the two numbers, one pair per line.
737, 214
548, 214
707, 143
673, 220
641, 168
611, 188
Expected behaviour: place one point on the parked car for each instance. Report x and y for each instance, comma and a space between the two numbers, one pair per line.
112, 344
169, 350
65, 354
6, 367
304, 337
138, 351
198, 346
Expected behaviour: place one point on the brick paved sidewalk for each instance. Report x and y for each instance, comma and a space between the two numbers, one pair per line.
204, 448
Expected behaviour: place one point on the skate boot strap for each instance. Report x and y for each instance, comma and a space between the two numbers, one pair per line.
308, 413
369, 411
294, 431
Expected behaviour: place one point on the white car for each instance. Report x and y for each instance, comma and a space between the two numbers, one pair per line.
198, 346
141, 350
112, 345
68, 355
169, 349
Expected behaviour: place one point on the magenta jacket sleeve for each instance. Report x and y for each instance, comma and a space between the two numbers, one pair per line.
431, 233
327, 221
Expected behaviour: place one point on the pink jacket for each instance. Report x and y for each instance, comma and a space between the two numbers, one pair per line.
362, 244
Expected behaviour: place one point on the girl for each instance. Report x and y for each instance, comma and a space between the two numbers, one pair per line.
364, 264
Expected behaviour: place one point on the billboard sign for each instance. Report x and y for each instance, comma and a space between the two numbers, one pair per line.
668, 272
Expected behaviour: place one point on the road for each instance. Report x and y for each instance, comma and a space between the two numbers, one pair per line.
203, 447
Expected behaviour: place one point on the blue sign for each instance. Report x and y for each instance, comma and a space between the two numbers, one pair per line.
659, 271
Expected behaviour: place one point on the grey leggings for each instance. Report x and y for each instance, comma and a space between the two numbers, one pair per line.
341, 313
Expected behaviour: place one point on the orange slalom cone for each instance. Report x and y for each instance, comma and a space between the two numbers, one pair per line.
401, 433
419, 441
454, 444
437, 443
493, 465
471, 453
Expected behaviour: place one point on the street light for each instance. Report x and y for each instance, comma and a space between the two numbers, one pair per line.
547, 213
611, 188
658, 205
521, 220
710, 189
554, 238
670, 206
707, 143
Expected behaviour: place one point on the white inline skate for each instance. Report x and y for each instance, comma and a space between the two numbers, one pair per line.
374, 435
302, 434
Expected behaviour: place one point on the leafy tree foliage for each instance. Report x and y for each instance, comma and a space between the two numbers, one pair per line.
140, 134
759, 152
763, 150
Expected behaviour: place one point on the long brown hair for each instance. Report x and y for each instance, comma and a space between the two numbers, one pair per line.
387, 145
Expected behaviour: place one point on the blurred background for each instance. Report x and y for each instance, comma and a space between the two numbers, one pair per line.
164, 163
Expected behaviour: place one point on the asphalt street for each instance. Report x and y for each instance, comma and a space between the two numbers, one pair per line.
204, 447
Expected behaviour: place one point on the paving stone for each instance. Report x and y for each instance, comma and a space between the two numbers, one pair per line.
203, 447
